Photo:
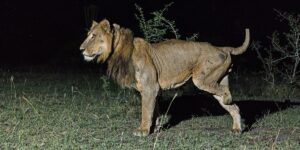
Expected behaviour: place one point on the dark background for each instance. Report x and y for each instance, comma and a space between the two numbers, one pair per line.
50, 32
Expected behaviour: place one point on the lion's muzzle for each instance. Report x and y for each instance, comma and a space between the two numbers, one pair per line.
88, 57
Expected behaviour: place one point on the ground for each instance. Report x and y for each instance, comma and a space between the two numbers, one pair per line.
61, 109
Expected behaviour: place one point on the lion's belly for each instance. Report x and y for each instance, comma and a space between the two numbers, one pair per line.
175, 72
175, 61
167, 81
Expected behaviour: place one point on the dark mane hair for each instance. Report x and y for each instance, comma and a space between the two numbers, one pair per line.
120, 66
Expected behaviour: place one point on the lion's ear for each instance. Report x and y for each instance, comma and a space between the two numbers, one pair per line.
116, 26
105, 25
94, 23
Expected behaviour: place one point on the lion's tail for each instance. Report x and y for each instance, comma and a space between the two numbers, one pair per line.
242, 48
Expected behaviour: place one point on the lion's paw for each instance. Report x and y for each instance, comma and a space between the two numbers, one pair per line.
140, 132
236, 131
227, 100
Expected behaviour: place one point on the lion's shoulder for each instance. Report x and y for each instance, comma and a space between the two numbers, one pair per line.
139, 41
141, 45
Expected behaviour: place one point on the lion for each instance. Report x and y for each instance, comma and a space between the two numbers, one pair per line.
149, 67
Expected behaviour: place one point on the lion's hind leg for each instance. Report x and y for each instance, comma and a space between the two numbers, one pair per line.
213, 78
223, 95
207, 79
225, 85
234, 111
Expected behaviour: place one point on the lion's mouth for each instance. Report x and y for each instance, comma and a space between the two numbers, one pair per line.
89, 57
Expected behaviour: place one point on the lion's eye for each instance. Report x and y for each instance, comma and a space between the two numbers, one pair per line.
93, 35
101, 41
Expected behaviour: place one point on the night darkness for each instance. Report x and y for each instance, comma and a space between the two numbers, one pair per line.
43, 32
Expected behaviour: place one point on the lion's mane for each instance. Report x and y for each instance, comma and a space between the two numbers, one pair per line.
120, 65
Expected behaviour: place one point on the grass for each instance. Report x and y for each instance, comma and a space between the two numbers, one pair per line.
82, 110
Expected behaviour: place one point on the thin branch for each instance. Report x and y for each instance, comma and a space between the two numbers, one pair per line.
171, 25
280, 59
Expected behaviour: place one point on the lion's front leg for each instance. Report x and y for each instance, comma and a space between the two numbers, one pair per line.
148, 106
148, 89
146, 84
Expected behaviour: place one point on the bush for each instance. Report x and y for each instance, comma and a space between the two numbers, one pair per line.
156, 28
281, 59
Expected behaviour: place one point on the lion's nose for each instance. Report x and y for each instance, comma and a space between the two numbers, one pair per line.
81, 48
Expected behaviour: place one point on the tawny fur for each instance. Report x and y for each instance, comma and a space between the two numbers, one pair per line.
133, 62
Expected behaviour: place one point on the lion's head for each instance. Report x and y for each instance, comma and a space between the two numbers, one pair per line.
98, 41
114, 45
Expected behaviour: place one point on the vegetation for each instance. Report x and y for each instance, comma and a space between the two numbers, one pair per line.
281, 59
158, 27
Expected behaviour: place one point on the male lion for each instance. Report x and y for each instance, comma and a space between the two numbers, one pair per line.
133, 62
